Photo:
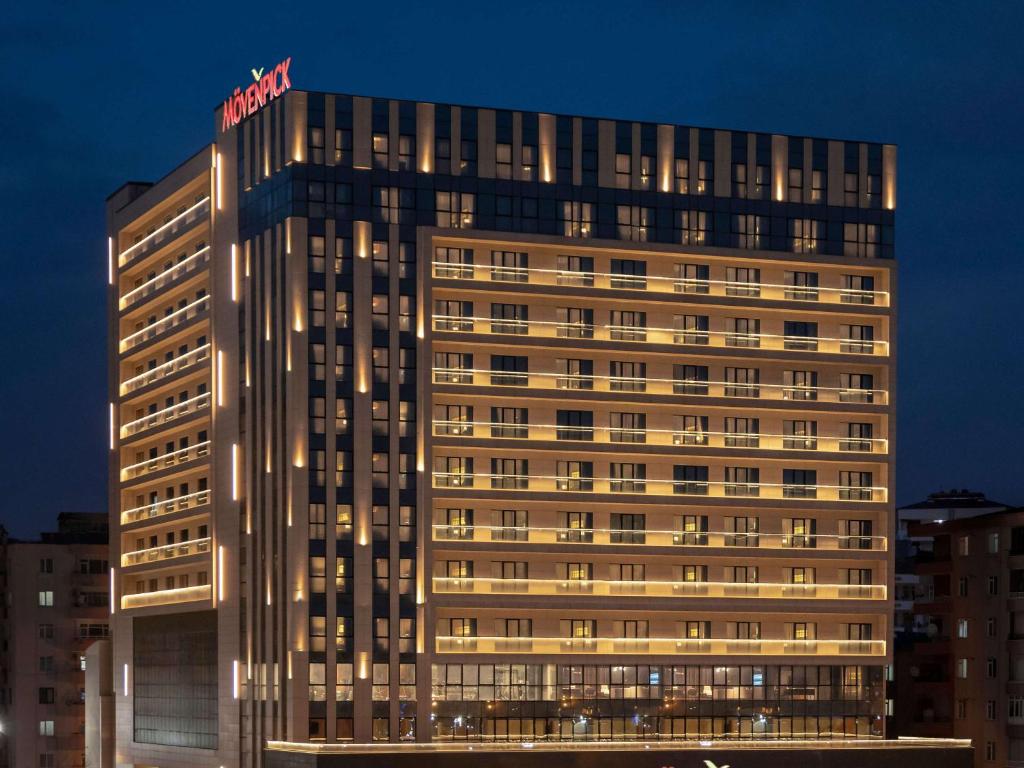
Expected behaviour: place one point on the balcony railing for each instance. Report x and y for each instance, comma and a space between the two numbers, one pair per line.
173, 459
165, 507
166, 552
665, 437
167, 596
658, 284
165, 323
659, 646
176, 411
655, 538
164, 370
546, 329
196, 261
658, 487
677, 589
165, 233
654, 386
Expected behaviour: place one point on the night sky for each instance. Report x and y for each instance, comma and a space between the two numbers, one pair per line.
95, 94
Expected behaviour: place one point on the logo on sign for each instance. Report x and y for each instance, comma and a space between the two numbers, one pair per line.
267, 87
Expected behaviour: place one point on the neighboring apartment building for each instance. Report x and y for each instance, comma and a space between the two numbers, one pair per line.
452, 424
57, 604
964, 677
938, 507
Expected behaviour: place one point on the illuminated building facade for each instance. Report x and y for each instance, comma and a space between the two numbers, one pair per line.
451, 424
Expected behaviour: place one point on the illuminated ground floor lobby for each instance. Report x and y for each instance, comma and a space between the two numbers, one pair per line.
903, 753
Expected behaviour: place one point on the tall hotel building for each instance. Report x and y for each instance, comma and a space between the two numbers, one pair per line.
434, 423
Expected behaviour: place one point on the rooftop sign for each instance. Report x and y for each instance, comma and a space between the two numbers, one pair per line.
267, 87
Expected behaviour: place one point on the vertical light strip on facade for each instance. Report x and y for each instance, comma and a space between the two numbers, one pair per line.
234, 471
234, 273
220, 573
110, 260
113, 591
217, 164
125, 680
112, 429
220, 378
234, 679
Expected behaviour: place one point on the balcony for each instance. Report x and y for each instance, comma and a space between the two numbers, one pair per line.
656, 437
655, 284
167, 552
653, 538
168, 460
167, 597
652, 487
188, 265
659, 646
545, 329
165, 507
699, 388
166, 415
674, 589
160, 372
164, 324
165, 233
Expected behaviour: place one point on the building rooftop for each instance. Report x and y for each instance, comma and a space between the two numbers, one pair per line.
956, 499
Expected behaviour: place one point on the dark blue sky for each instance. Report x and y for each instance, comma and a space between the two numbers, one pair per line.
97, 93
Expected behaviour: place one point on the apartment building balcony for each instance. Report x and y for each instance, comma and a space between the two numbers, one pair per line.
166, 371
674, 589
161, 236
651, 284
657, 538
187, 503
167, 552
630, 438
545, 329
167, 415
179, 459
573, 384
167, 597
656, 646
651, 487
173, 275
164, 326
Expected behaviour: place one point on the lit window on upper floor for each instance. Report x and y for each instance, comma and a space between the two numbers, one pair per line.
634, 222
577, 218
343, 146
503, 160
682, 176
529, 162
456, 210
818, 182
316, 145
406, 153
623, 170
380, 150
749, 230
739, 180
705, 177
805, 235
